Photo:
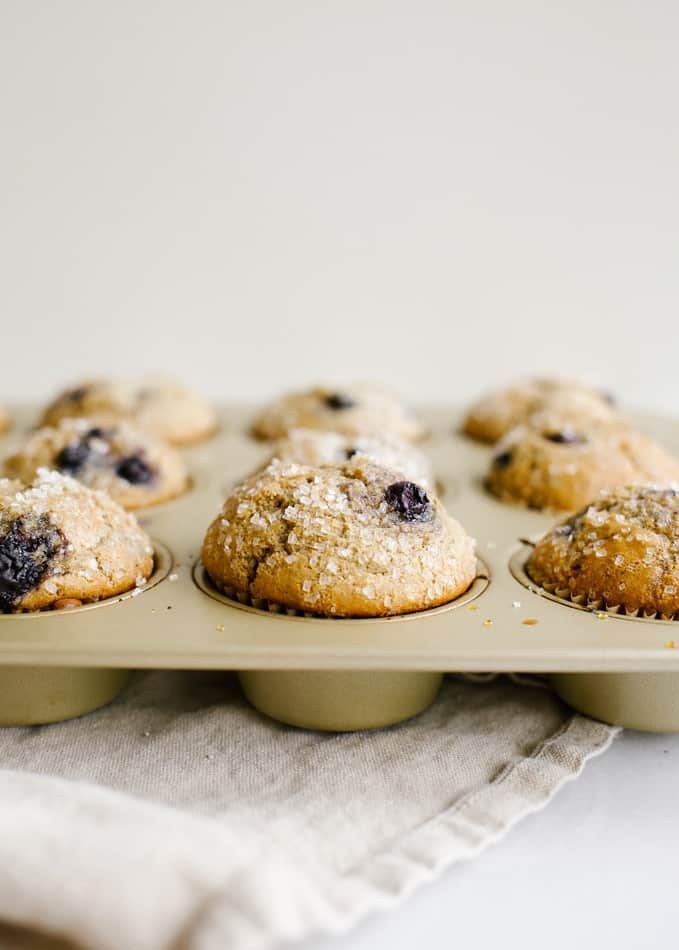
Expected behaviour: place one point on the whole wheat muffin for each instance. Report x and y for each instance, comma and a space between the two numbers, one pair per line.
354, 410
496, 413
353, 540
317, 447
133, 466
622, 549
166, 408
554, 463
62, 541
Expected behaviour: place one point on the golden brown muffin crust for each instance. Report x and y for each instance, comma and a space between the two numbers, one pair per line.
555, 463
622, 549
133, 466
60, 540
165, 407
351, 540
359, 409
499, 411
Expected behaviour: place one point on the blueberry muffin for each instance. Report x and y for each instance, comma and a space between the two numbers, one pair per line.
62, 544
134, 467
353, 540
498, 412
317, 447
553, 463
166, 408
622, 550
353, 410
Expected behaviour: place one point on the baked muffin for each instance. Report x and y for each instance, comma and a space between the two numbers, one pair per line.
61, 541
553, 463
496, 413
166, 408
353, 540
353, 410
4, 420
134, 467
316, 447
622, 550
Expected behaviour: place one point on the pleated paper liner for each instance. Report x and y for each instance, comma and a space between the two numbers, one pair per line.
563, 595
337, 700
232, 597
602, 606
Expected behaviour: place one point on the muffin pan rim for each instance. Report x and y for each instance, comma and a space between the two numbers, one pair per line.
175, 625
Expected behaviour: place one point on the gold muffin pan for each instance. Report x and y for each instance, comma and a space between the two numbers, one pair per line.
332, 673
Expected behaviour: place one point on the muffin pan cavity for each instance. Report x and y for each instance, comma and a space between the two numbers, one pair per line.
327, 673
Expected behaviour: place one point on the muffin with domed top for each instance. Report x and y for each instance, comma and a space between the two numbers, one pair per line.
621, 550
168, 409
352, 540
62, 544
133, 466
499, 411
359, 409
557, 462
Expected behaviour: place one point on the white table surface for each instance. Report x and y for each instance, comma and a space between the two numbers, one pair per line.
595, 868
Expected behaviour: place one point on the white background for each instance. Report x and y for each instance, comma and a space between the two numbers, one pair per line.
435, 194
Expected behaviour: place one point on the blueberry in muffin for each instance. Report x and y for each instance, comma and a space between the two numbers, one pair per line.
133, 466
61, 541
353, 410
166, 408
496, 413
553, 462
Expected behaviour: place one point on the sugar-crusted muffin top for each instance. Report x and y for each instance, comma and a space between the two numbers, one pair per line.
499, 411
59, 539
348, 540
557, 462
165, 407
359, 409
622, 549
319, 447
131, 464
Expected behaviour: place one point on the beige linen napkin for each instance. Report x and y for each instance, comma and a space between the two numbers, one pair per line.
179, 819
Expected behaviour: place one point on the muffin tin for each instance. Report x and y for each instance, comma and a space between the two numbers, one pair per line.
339, 673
